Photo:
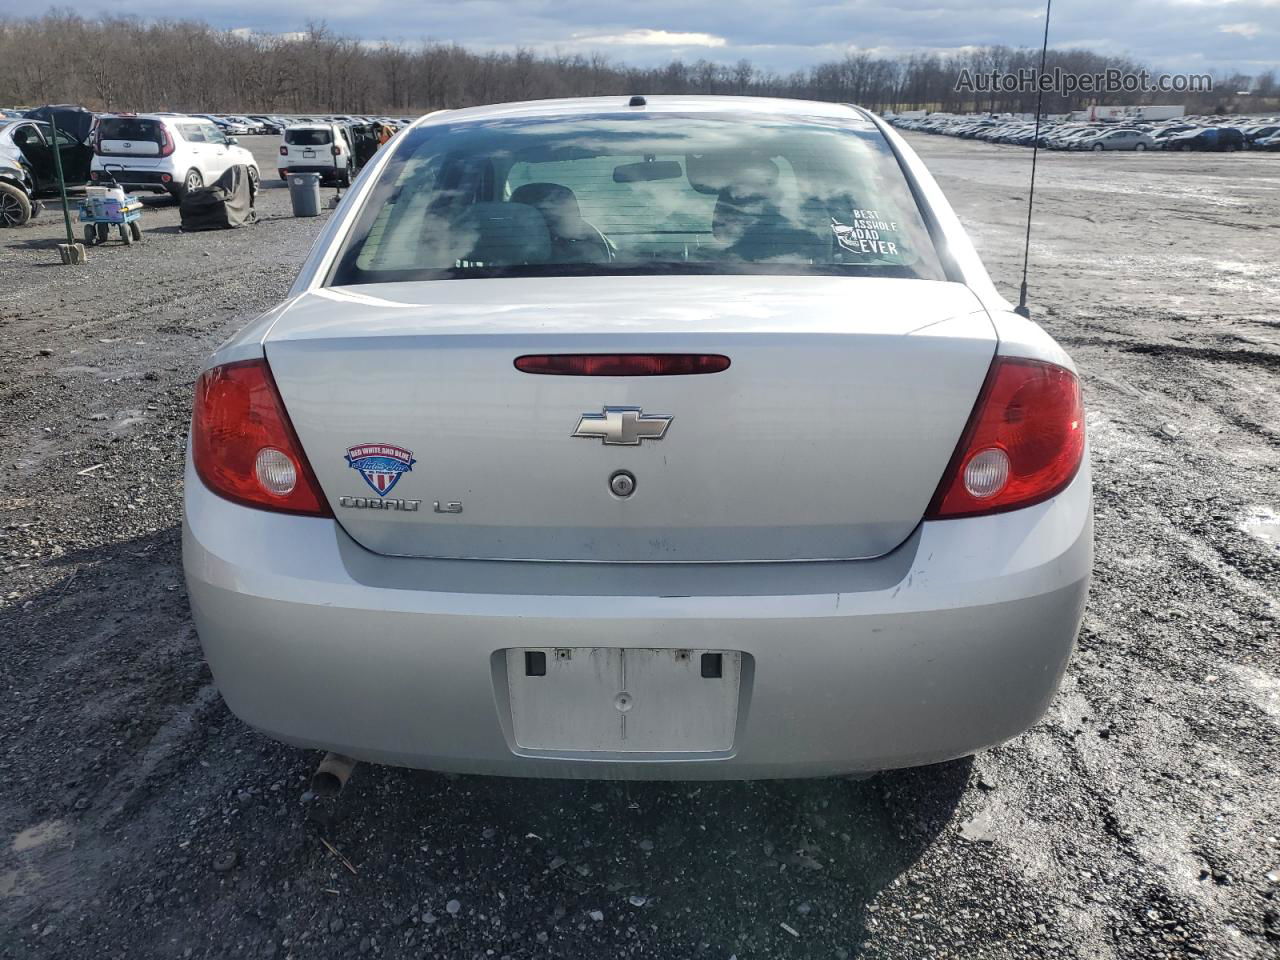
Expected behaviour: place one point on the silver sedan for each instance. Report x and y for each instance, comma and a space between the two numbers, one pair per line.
641, 438
1136, 140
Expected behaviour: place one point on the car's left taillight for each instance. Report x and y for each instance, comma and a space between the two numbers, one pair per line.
244, 446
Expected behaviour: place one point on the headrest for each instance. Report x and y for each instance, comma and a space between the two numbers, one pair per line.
557, 203
740, 174
761, 230
501, 234
733, 216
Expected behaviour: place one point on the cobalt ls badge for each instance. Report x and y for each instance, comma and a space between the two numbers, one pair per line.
381, 464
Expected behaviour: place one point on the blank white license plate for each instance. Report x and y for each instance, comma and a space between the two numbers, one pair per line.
636, 700
308, 154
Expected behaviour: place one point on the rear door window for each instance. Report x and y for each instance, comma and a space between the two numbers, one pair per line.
307, 137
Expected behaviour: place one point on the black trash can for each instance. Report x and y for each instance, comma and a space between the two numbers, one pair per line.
304, 194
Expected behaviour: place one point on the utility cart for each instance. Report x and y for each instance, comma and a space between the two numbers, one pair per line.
107, 207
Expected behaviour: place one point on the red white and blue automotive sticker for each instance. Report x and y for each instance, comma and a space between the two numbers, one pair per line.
381, 464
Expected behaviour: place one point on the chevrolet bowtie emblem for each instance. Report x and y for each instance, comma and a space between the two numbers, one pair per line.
622, 426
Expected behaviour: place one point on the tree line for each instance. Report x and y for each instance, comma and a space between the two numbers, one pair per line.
124, 63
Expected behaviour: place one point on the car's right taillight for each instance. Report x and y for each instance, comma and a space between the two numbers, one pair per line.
1023, 444
167, 145
244, 446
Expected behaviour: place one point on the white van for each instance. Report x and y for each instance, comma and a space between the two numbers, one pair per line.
172, 154
323, 148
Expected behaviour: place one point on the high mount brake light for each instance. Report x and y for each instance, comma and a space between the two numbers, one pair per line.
244, 446
623, 364
1023, 444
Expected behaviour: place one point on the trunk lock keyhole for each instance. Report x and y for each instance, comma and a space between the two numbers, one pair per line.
622, 484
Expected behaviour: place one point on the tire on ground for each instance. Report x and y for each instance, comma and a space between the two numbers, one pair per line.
15, 206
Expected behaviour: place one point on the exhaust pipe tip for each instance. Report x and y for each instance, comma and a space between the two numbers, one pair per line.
331, 775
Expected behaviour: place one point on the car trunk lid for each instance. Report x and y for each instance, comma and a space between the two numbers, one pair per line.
824, 439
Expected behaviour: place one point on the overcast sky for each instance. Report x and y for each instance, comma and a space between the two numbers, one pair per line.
779, 34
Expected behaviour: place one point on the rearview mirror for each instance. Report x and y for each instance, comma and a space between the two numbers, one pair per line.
651, 170
232, 140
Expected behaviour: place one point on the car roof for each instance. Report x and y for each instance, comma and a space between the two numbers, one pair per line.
148, 116
594, 106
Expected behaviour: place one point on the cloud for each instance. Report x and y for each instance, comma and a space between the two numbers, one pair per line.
780, 35
652, 38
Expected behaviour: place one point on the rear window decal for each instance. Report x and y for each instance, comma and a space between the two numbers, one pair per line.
867, 233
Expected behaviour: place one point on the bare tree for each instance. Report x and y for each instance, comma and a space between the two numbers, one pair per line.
122, 63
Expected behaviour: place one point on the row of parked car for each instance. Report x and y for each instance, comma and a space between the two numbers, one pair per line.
162, 152
1183, 133
273, 125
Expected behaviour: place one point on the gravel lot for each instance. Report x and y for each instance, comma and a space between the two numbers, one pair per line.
139, 819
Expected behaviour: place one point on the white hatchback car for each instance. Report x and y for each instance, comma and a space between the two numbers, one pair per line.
680, 437
172, 154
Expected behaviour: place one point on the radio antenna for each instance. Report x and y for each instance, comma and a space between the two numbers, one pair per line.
1021, 309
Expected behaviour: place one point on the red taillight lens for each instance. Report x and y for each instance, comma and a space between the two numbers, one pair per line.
623, 364
284, 151
243, 445
336, 151
1023, 444
167, 147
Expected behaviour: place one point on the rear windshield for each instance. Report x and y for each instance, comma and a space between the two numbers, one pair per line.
639, 193
130, 128
307, 138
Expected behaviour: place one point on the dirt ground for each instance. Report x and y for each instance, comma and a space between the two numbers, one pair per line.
1141, 818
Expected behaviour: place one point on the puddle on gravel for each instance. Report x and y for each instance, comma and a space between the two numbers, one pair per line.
1265, 686
10, 884
39, 835
80, 368
21, 882
1235, 266
1263, 523
127, 419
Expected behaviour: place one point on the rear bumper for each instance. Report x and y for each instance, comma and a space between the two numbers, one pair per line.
324, 169
954, 642
138, 179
